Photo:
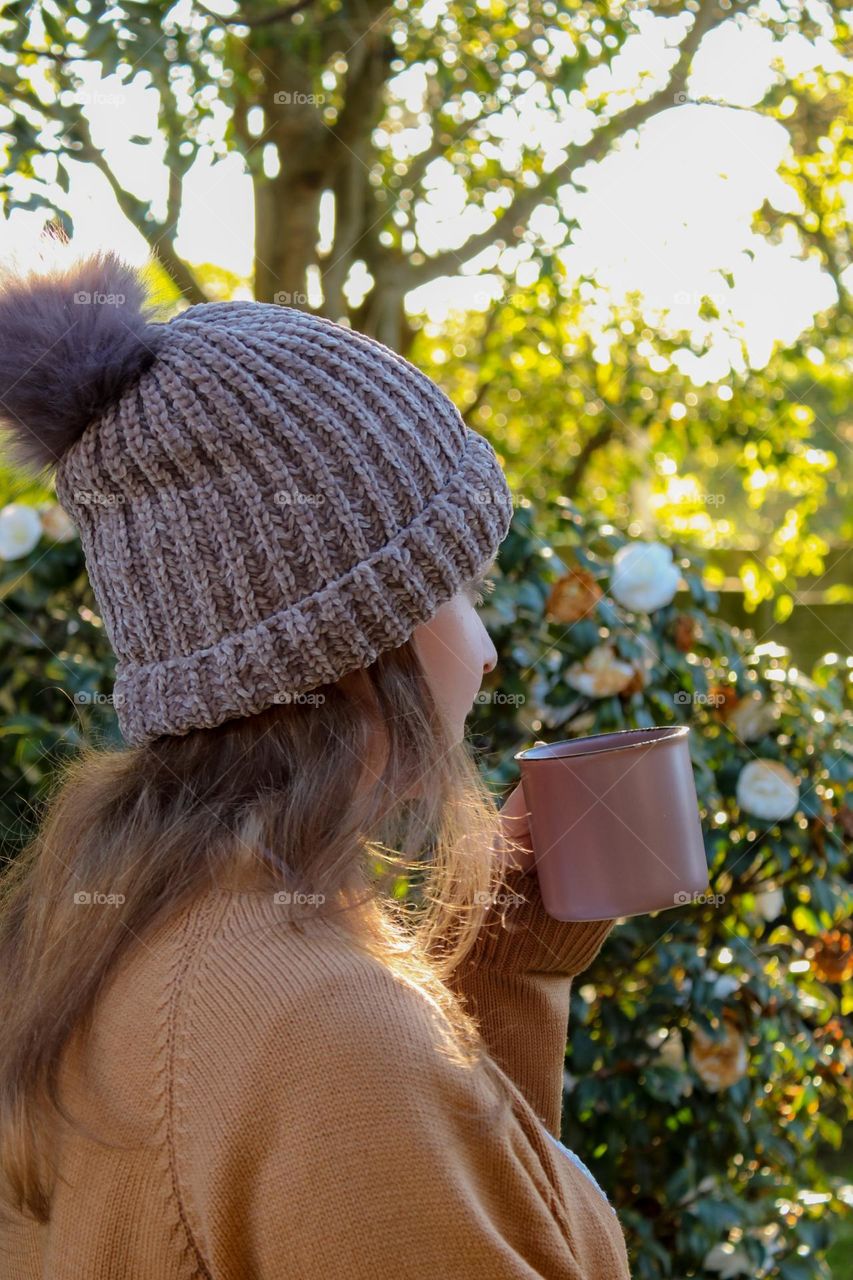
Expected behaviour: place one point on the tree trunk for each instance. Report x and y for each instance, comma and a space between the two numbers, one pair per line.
286, 216
287, 204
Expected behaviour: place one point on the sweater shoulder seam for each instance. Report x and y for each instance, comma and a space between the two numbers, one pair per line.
195, 927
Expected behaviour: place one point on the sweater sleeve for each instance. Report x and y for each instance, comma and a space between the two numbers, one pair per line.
516, 982
341, 1137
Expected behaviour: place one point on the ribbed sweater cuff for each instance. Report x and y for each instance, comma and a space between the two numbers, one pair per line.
519, 936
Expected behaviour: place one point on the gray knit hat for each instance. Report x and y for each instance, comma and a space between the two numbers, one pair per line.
266, 500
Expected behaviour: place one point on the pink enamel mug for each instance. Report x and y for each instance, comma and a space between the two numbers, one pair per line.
614, 823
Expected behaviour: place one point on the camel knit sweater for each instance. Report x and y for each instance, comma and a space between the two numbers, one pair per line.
281, 1107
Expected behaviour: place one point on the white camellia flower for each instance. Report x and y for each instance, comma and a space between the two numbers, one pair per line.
770, 904
725, 985
672, 1050
751, 717
768, 790
583, 723
20, 530
643, 577
56, 522
601, 674
672, 1055
728, 1261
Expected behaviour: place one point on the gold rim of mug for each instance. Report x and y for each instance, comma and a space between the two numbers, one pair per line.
657, 733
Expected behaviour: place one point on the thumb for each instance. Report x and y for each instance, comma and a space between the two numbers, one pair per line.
515, 805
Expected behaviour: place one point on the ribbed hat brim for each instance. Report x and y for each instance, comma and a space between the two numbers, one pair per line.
343, 627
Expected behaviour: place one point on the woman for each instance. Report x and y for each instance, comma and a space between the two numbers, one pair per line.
232, 1045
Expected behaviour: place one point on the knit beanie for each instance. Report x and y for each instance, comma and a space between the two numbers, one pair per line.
266, 500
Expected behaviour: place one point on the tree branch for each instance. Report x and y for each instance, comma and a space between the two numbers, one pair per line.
350, 149
369, 63
267, 19
818, 238
134, 210
527, 199
597, 440
482, 389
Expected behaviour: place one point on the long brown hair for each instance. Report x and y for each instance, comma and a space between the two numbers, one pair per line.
292, 797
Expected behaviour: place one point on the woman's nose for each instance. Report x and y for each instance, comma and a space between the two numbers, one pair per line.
491, 659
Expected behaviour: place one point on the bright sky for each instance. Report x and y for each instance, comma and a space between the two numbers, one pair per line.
663, 215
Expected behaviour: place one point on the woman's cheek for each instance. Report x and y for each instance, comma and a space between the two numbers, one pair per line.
451, 648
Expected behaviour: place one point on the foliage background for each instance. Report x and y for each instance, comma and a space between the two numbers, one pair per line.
700, 1171
615, 419
713, 1169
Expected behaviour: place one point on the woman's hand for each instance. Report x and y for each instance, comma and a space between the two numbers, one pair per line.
514, 826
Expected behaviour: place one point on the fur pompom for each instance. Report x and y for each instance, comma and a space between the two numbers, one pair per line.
71, 341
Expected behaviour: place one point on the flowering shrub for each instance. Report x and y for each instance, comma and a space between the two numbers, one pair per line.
56, 667
710, 1045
